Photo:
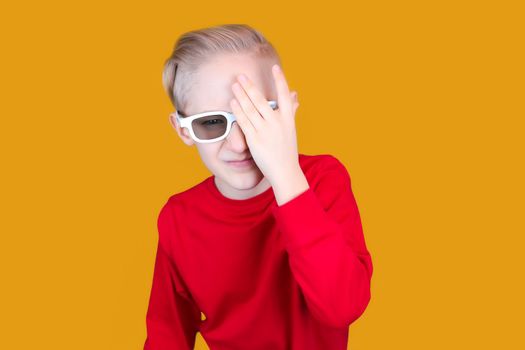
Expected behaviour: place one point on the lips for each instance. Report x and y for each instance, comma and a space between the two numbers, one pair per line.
242, 164
241, 160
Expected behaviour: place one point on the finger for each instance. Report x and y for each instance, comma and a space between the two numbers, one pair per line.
293, 94
241, 119
295, 101
283, 93
247, 106
259, 101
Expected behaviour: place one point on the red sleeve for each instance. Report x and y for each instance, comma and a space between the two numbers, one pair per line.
172, 318
322, 231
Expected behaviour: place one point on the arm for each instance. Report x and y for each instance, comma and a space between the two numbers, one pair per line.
327, 252
172, 317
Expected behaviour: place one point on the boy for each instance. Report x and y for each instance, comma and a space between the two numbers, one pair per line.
268, 252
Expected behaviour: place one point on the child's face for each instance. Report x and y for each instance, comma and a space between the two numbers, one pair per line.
211, 90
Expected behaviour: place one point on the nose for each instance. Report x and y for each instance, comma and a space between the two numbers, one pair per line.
236, 140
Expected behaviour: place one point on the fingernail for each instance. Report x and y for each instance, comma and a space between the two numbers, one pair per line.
242, 78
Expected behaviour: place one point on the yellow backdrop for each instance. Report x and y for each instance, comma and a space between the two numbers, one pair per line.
421, 100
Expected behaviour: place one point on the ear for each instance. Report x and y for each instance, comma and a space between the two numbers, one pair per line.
183, 133
295, 101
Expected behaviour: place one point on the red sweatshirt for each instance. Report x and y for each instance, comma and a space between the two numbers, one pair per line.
252, 275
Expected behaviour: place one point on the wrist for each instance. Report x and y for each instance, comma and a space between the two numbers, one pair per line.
289, 185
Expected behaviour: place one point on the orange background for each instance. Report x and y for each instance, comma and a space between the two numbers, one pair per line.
421, 100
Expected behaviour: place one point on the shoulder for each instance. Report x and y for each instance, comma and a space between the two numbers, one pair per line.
174, 209
323, 167
166, 222
329, 180
187, 197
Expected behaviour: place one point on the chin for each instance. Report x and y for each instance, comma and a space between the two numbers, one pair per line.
244, 180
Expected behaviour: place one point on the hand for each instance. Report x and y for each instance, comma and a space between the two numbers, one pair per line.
270, 134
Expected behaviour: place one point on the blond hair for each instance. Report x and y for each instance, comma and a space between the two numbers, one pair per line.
198, 46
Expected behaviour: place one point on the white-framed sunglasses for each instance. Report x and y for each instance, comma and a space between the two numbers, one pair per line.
211, 126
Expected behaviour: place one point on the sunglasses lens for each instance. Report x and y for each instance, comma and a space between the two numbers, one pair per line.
209, 127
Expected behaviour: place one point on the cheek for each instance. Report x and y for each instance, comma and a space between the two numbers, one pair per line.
209, 154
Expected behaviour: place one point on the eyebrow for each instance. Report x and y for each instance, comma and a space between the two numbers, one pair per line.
184, 115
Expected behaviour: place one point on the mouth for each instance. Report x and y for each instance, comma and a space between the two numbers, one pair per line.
242, 163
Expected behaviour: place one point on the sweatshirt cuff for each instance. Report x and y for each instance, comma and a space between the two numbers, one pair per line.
302, 220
